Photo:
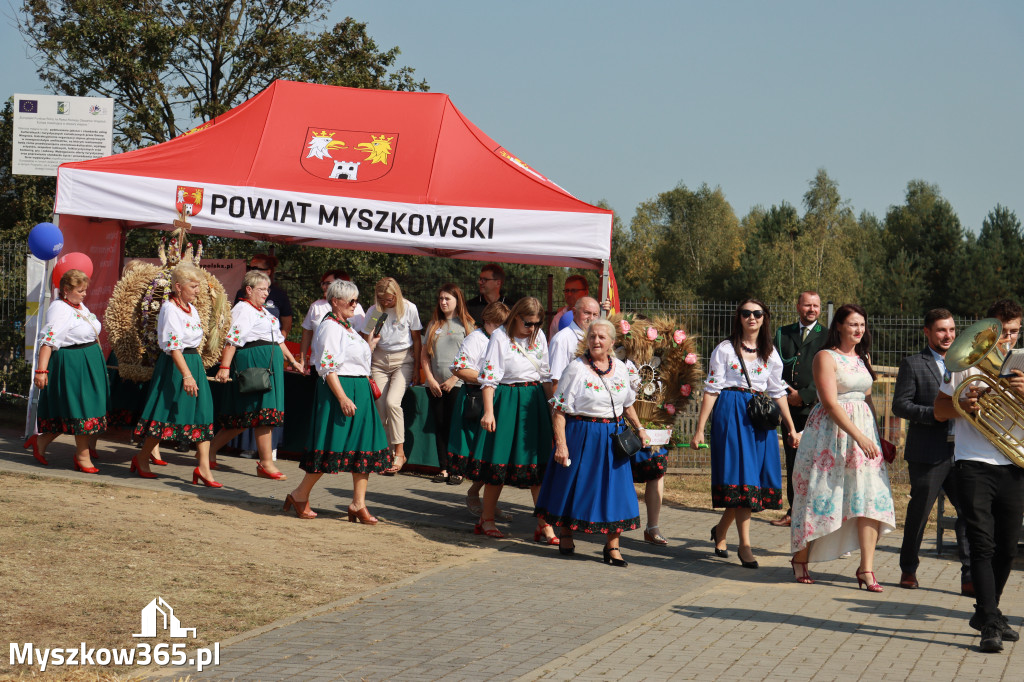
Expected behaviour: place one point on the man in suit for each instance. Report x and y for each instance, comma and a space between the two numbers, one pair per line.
797, 344
929, 448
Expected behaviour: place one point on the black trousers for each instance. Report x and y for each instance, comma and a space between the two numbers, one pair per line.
992, 502
799, 421
443, 409
927, 482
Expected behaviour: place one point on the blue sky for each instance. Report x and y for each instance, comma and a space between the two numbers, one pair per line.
620, 101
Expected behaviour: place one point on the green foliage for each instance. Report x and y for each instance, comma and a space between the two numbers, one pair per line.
173, 64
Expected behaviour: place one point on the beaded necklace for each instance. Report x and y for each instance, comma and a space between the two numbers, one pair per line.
187, 308
599, 373
344, 323
76, 306
257, 307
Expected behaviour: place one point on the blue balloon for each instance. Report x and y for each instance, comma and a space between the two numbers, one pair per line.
45, 241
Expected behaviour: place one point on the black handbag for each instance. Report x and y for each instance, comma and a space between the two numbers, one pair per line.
255, 379
473, 405
625, 443
763, 411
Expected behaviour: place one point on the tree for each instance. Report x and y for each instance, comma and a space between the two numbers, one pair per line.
25, 199
171, 64
683, 244
990, 263
927, 227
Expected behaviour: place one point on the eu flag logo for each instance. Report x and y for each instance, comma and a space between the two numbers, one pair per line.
28, 106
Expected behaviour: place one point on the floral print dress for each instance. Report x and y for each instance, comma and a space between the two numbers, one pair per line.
833, 481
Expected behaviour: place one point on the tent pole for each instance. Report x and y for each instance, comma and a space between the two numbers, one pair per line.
604, 286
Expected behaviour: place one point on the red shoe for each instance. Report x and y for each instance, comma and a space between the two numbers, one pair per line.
196, 477
538, 536
85, 470
489, 532
135, 468
157, 461
302, 509
803, 576
361, 515
872, 586
31, 442
263, 473
93, 454
213, 466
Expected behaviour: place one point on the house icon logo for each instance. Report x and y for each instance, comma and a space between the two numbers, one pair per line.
158, 615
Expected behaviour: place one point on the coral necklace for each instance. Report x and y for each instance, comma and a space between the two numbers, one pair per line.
187, 308
76, 306
257, 307
344, 323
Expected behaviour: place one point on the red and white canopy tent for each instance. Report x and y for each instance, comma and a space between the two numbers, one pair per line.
397, 172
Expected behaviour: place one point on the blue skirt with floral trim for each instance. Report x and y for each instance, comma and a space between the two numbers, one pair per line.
745, 467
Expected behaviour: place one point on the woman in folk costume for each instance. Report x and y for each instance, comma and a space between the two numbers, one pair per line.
179, 405
255, 340
514, 443
586, 487
347, 433
71, 375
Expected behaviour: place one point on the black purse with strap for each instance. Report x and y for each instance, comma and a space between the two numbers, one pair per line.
763, 412
625, 443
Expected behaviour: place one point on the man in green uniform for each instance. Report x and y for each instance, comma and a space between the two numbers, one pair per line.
797, 344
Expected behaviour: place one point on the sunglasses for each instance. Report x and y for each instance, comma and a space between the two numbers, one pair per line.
353, 301
758, 314
530, 324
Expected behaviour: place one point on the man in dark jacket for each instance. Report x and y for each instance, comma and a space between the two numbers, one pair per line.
797, 344
929, 448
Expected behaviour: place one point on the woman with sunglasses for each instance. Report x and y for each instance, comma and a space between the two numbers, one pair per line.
396, 359
319, 309
346, 432
448, 328
514, 443
746, 475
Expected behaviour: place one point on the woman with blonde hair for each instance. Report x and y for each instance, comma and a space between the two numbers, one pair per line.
254, 341
179, 405
71, 375
514, 442
396, 359
446, 331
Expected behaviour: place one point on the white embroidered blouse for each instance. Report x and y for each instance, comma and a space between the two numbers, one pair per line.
471, 351
318, 310
338, 349
581, 392
69, 326
513, 362
176, 329
249, 323
725, 371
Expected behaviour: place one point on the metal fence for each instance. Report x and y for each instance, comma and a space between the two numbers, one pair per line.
14, 372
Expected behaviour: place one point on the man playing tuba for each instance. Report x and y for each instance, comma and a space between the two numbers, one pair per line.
991, 490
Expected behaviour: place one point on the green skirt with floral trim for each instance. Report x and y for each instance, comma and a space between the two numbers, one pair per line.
242, 410
462, 433
75, 398
338, 443
517, 452
169, 412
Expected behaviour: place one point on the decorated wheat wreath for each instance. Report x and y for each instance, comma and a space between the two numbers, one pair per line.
134, 309
666, 362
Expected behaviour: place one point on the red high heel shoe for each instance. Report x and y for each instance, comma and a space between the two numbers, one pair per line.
157, 461
135, 468
209, 483
538, 536
84, 470
32, 442
489, 532
302, 509
93, 454
213, 466
263, 473
361, 515
873, 586
804, 576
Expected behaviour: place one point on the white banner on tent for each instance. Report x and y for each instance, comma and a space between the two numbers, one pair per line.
318, 217
53, 129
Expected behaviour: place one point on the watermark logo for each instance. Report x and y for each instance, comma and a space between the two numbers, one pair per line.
158, 621
158, 615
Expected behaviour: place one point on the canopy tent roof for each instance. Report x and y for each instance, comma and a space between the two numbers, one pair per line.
320, 165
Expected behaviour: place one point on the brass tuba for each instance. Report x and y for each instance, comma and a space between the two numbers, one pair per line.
1001, 415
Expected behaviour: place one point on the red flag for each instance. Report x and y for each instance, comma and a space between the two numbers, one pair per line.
613, 290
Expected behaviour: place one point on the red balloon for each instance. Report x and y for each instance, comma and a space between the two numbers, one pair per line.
71, 261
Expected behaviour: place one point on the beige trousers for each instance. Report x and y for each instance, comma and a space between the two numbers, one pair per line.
392, 372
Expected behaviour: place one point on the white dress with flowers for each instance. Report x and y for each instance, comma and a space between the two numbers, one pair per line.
833, 481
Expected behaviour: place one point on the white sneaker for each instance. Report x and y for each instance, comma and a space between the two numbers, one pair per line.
273, 455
